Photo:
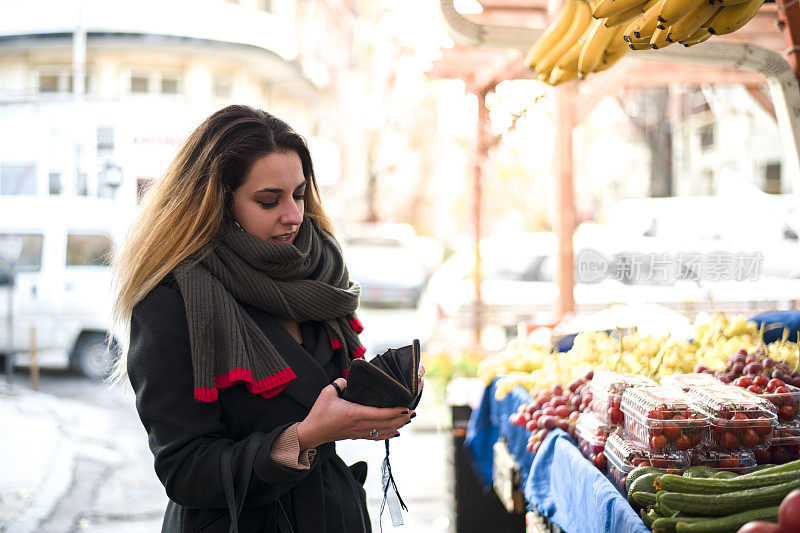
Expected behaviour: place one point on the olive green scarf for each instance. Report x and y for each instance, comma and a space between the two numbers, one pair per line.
306, 280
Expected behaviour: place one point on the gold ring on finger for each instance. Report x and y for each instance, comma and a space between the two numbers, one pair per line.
373, 433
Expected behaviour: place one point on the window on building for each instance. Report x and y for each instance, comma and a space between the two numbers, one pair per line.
706, 136
170, 84
140, 83
222, 86
58, 79
48, 83
772, 178
16, 178
54, 183
30, 259
90, 249
155, 81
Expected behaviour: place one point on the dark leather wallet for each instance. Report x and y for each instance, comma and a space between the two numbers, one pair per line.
388, 380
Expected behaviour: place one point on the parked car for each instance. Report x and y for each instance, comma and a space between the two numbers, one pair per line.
386, 259
62, 289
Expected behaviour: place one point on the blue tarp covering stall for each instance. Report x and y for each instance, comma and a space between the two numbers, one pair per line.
558, 482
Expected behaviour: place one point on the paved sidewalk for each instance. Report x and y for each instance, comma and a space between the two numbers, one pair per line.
69, 465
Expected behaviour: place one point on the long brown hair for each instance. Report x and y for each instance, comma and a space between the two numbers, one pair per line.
183, 212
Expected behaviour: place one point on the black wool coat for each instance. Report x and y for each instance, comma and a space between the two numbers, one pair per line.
187, 436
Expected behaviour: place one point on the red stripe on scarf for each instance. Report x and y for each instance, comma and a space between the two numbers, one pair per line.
357, 326
268, 386
359, 352
336, 345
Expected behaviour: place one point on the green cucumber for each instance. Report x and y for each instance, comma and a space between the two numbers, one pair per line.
786, 467
663, 508
669, 525
643, 499
730, 523
637, 472
701, 471
728, 503
673, 483
758, 468
724, 474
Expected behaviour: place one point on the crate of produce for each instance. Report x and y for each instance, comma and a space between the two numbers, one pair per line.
738, 418
607, 388
591, 434
785, 445
785, 398
739, 461
624, 454
662, 418
687, 381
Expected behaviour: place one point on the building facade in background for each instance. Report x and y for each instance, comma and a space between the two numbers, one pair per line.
96, 96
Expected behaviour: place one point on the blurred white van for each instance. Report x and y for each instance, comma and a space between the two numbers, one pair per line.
62, 296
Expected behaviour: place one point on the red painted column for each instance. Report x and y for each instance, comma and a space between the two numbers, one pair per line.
565, 197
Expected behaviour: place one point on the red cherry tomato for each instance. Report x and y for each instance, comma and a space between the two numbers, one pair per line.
600, 461
762, 425
750, 438
761, 381
730, 461
755, 389
743, 382
729, 441
658, 442
683, 442
672, 431
775, 383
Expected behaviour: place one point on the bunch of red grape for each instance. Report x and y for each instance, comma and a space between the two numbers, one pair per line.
742, 363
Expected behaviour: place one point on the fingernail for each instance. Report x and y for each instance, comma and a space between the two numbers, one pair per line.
396, 435
407, 423
404, 413
413, 415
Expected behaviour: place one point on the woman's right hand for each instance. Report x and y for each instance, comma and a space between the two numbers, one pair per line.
332, 418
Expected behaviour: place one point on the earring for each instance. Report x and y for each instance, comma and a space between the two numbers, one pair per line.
236, 222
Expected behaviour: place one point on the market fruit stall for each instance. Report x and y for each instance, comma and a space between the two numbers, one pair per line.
634, 440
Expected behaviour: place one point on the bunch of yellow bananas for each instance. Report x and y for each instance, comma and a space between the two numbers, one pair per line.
592, 35
661, 23
575, 45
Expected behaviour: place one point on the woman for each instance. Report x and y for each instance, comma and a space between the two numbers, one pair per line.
241, 315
